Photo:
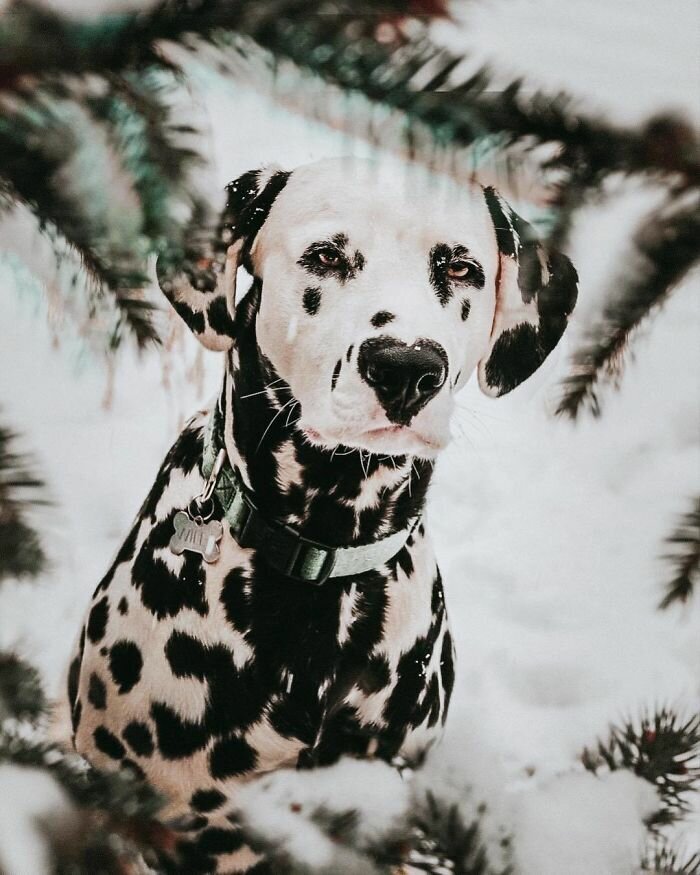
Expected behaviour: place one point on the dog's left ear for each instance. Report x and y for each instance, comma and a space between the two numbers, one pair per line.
202, 285
535, 294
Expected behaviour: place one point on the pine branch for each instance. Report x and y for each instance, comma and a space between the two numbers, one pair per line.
404, 76
115, 812
663, 749
21, 693
35, 146
424, 834
666, 250
118, 42
664, 860
337, 41
139, 124
443, 843
20, 551
685, 557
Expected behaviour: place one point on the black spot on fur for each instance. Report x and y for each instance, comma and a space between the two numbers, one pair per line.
219, 317
515, 355
336, 374
235, 601
125, 664
187, 656
76, 713
235, 696
107, 743
376, 675
192, 318
383, 317
437, 598
207, 800
466, 309
501, 222
191, 860
230, 757
248, 207
312, 300
164, 593
138, 736
349, 353
447, 669
215, 840
97, 692
73, 678
403, 561
177, 737
97, 621
439, 262
123, 606
406, 705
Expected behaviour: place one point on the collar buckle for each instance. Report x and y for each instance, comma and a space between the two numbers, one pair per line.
310, 562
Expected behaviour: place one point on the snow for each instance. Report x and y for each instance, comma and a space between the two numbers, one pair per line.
589, 807
30, 803
548, 533
281, 809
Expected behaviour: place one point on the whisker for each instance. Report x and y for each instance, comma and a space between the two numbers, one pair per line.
291, 410
291, 401
263, 391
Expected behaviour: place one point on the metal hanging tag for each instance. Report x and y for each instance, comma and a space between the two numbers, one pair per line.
194, 530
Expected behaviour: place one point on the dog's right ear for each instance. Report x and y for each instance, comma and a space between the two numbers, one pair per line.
201, 285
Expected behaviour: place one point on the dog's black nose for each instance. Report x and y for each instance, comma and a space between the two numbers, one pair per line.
403, 377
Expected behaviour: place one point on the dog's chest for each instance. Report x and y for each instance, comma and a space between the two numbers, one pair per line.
198, 673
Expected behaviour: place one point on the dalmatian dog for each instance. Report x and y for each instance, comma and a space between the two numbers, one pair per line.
308, 622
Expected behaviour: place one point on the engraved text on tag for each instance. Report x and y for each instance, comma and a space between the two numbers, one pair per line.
196, 536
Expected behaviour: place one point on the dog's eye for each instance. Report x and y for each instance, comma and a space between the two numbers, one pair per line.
328, 257
460, 269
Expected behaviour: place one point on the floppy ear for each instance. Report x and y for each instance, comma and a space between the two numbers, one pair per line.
535, 294
201, 286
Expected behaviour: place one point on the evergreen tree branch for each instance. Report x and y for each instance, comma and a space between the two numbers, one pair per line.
443, 842
662, 748
394, 74
20, 551
21, 693
35, 145
684, 557
666, 250
139, 124
114, 816
665, 860
118, 42
337, 41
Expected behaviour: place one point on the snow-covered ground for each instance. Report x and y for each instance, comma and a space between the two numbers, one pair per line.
548, 533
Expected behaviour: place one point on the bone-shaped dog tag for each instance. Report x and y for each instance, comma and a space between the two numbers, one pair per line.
196, 536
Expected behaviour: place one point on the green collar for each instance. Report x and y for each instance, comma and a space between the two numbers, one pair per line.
280, 545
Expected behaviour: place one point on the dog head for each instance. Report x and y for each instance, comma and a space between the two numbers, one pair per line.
378, 296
